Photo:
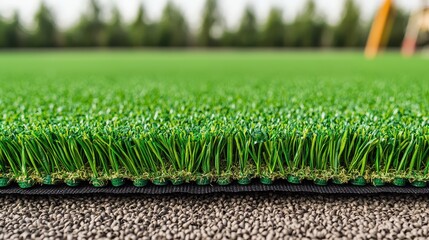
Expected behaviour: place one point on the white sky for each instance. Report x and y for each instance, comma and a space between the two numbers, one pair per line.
68, 11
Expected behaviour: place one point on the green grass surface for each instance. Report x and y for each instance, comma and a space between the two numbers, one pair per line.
212, 117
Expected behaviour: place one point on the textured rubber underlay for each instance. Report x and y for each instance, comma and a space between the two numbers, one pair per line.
278, 186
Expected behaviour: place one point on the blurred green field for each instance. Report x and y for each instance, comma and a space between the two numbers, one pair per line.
221, 116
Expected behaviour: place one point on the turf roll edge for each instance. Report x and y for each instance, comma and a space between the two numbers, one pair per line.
176, 118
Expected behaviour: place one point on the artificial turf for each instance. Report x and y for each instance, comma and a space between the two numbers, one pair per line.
207, 117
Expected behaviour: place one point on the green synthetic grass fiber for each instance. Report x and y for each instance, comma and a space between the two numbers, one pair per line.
212, 117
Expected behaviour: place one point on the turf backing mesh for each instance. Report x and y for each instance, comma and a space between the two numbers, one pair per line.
232, 188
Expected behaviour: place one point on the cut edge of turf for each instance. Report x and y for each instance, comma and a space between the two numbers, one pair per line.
349, 155
297, 177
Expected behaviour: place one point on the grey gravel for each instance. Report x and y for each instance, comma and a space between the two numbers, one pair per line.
244, 216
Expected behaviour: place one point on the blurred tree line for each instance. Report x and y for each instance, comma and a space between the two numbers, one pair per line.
308, 29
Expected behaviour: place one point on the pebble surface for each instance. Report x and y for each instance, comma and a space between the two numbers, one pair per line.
230, 216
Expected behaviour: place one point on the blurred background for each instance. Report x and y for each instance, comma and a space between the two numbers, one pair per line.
198, 23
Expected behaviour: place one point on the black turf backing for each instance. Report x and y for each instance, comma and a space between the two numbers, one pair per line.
278, 186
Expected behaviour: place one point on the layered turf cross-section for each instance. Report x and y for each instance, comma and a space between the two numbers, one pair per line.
212, 118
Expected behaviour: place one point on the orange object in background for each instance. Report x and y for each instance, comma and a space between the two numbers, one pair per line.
380, 29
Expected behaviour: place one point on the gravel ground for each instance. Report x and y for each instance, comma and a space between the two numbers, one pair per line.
255, 215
